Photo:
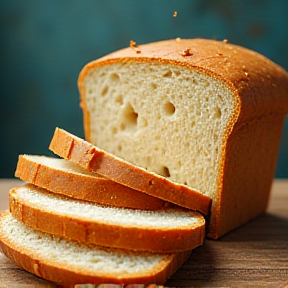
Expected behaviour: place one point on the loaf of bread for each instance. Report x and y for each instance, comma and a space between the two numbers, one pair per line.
168, 230
66, 178
70, 263
90, 157
203, 113
196, 123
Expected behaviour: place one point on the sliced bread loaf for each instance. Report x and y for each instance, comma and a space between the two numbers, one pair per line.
91, 158
204, 113
69, 263
167, 230
65, 177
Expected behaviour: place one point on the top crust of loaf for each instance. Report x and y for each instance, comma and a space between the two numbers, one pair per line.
252, 76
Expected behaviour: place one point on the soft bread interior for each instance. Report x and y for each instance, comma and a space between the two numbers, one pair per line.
79, 258
168, 119
161, 219
61, 165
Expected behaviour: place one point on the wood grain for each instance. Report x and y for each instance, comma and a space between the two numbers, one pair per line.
254, 255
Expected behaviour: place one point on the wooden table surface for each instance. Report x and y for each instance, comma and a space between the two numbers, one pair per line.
254, 255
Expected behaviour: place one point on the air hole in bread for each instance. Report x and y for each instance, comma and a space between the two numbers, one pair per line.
153, 86
217, 113
95, 260
194, 81
177, 73
130, 117
220, 98
114, 130
114, 77
168, 74
119, 99
119, 147
205, 83
169, 108
165, 171
104, 91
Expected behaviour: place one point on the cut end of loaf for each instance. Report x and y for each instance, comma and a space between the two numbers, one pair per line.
168, 119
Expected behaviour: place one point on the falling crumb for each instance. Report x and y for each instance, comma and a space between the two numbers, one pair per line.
134, 46
175, 14
186, 52
178, 39
225, 41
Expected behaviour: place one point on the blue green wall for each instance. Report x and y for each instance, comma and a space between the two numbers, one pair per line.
45, 43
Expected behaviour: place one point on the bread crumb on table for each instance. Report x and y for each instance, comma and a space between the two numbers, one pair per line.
175, 14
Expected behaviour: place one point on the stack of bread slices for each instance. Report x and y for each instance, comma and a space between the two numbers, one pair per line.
70, 224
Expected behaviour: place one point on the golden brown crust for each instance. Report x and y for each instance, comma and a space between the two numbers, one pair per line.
104, 234
84, 187
260, 91
91, 158
248, 175
67, 277
252, 77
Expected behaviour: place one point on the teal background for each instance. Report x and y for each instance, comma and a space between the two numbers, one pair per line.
44, 45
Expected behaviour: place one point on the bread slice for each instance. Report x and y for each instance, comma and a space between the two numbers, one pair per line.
91, 158
204, 113
69, 263
64, 177
167, 230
